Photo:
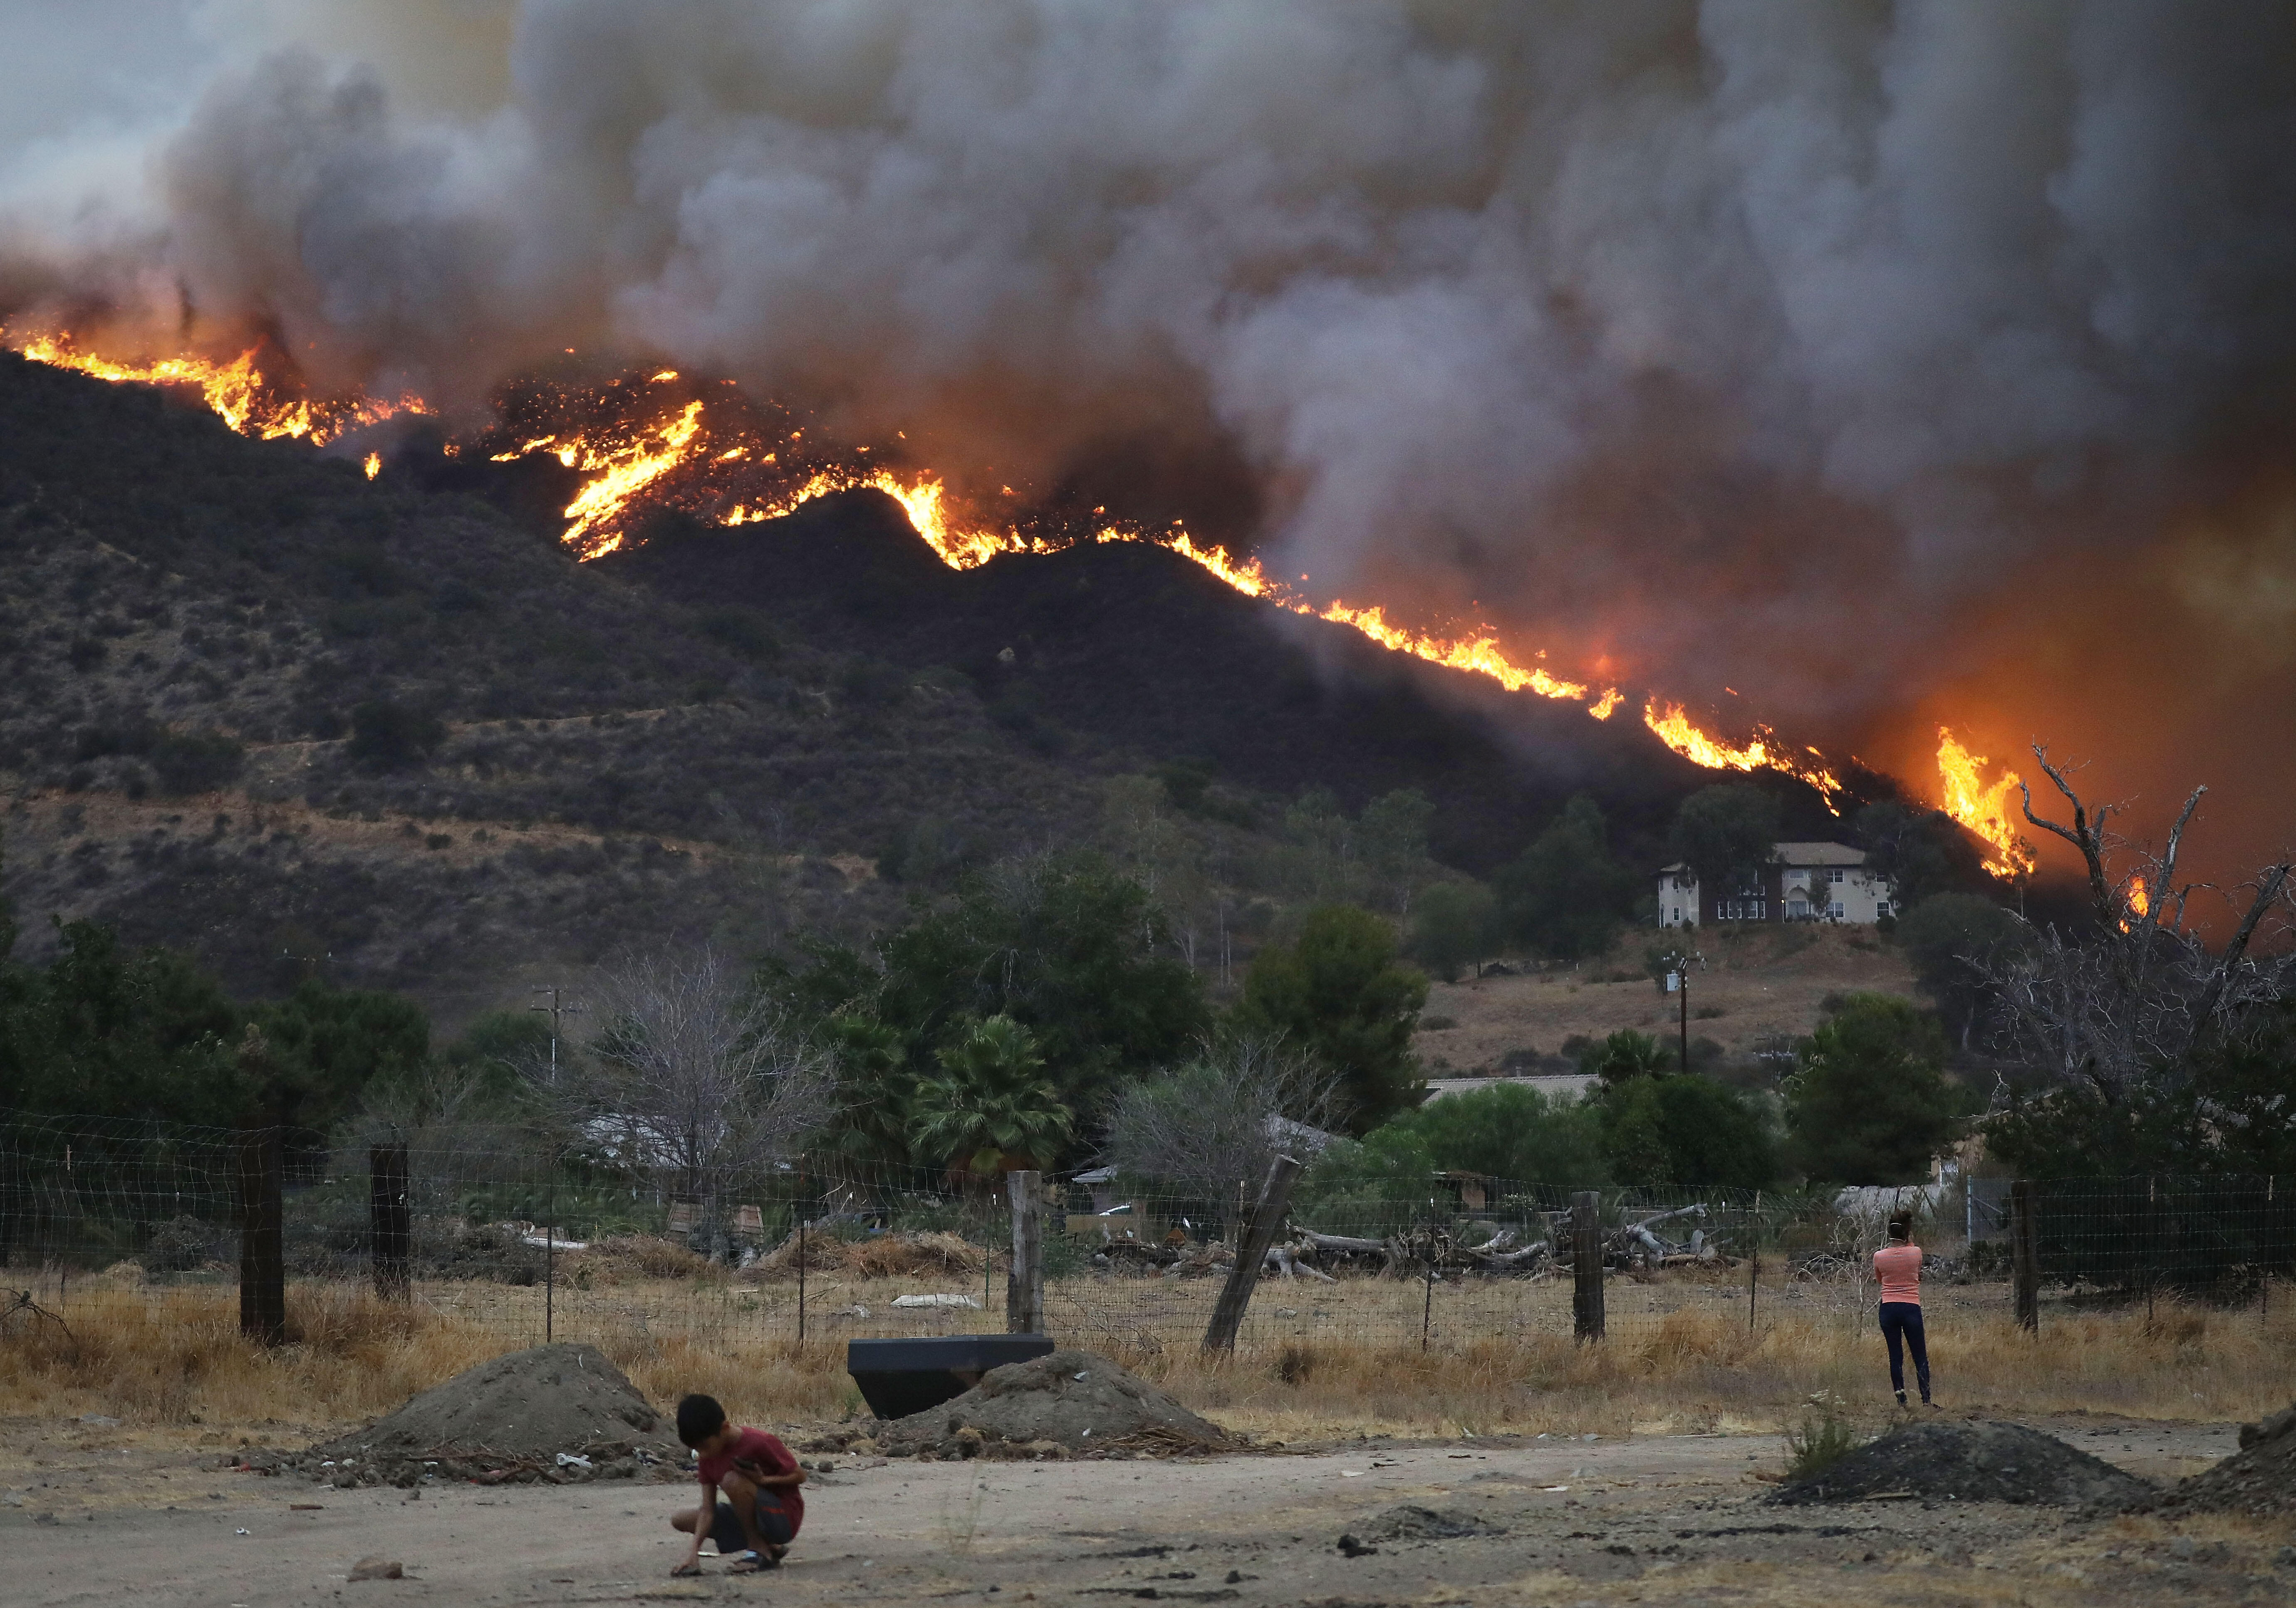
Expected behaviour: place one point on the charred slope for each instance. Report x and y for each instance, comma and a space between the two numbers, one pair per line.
1129, 647
191, 624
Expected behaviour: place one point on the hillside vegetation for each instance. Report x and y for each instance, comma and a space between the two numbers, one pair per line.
264, 709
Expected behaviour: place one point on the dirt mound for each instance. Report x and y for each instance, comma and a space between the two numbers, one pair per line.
1426, 1524
2259, 1479
1065, 1403
560, 1414
1972, 1463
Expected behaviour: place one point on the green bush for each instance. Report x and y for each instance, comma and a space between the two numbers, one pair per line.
1818, 1442
188, 762
1867, 1102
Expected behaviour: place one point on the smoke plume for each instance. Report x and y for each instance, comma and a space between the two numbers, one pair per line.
1884, 362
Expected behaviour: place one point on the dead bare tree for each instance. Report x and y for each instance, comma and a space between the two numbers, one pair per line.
697, 1077
2126, 1001
1222, 1117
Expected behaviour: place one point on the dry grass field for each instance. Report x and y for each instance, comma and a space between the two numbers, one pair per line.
1314, 1363
1767, 983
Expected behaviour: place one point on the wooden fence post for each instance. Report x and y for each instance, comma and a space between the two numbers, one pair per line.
262, 1243
1586, 1263
1024, 1284
2025, 1272
1250, 1251
390, 1222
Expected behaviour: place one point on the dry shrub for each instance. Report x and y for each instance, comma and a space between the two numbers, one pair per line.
913, 1256
1689, 1337
640, 1255
907, 1255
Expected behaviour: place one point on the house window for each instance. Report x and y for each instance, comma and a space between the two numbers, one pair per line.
1796, 909
1835, 910
1833, 874
1880, 908
1743, 909
1677, 915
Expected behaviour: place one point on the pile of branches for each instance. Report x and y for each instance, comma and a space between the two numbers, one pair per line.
1638, 1244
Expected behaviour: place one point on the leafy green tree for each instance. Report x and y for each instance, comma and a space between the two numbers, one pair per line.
1867, 1102
326, 1044
1367, 1186
1923, 852
1564, 897
1066, 947
105, 1031
1684, 1130
1454, 926
875, 1084
1509, 1132
1626, 1054
991, 1109
1392, 833
1726, 834
1944, 937
1340, 994
517, 1040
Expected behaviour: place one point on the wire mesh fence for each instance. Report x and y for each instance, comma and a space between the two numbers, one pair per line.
526, 1235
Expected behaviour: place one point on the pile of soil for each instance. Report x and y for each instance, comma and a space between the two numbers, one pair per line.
560, 1414
2259, 1480
1426, 1524
1972, 1463
1063, 1404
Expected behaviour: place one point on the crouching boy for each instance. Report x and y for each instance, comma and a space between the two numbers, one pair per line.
762, 1511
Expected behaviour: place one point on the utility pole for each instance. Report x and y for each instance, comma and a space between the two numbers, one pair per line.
1677, 983
557, 1008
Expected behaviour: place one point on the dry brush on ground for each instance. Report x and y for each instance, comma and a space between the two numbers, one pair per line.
173, 1356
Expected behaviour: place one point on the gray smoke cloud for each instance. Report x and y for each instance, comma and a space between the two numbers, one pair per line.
1851, 355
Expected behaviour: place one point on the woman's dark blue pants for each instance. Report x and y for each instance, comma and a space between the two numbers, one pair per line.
1901, 1326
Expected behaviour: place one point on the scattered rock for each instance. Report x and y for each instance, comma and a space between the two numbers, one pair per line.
1352, 1547
377, 1568
557, 1414
2259, 1480
1972, 1463
1063, 1403
1426, 1524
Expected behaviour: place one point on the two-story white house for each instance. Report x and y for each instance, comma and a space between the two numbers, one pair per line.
1802, 882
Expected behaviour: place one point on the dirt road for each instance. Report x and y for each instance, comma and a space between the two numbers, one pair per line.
1674, 1519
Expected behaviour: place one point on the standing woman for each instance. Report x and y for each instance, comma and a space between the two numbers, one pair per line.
1898, 1265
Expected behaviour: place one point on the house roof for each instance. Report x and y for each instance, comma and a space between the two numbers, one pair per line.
1818, 854
1795, 855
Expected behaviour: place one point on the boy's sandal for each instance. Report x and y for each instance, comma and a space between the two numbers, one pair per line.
752, 1563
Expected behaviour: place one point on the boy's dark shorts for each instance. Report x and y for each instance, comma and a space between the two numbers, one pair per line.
772, 1524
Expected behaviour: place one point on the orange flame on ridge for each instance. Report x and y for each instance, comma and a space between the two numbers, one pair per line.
236, 390
1672, 726
620, 471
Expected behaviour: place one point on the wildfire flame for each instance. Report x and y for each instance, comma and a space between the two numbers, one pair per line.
1982, 807
621, 464
1673, 726
2139, 901
236, 390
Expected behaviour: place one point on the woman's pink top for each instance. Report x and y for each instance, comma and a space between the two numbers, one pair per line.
1899, 1269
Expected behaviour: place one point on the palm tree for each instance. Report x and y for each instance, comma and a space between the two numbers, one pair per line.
991, 1109
1628, 1054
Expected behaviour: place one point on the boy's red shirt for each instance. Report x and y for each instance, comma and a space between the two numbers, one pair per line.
755, 1452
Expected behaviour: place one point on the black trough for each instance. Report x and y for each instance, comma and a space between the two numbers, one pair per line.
898, 1377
